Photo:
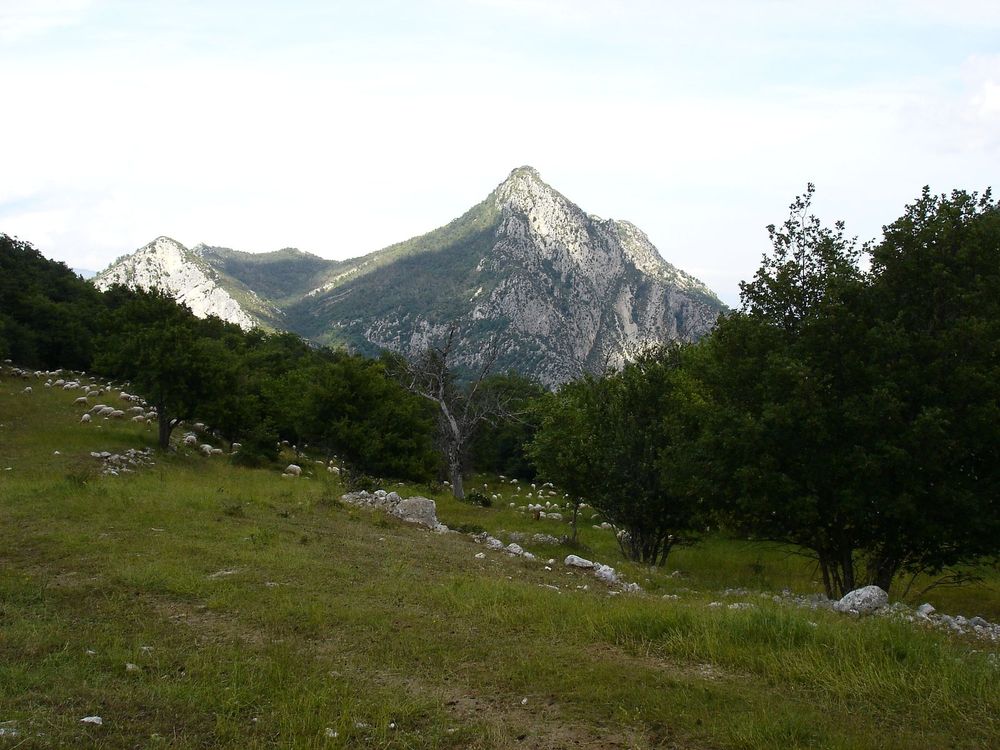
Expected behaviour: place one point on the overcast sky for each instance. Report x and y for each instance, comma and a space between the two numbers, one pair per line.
341, 127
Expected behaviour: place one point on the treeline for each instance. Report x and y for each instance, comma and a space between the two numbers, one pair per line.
850, 407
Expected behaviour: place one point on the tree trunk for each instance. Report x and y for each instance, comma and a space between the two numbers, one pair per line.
166, 426
881, 570
455, 472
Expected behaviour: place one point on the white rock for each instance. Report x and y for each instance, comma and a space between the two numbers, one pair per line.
419, 510
578, 562
864, 601
514, 549
480, 555
606, 573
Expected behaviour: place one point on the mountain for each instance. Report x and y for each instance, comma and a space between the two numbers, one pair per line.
563, 291
184, 274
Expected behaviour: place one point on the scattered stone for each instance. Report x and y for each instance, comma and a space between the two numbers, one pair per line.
544, 539
480, 555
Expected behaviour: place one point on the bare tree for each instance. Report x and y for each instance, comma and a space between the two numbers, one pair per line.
461, 408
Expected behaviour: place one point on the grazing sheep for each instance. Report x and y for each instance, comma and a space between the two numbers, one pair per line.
205, 448
59, 383
85, 419
190, 439
117, 414
81, 400
216, 451
235, 447
139, 418
27, 390
293, 470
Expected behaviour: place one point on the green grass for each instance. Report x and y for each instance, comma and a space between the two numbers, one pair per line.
334, 618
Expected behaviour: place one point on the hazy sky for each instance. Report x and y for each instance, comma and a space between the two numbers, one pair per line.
340, 127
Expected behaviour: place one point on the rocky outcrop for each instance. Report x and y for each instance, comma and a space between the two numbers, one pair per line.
167, 265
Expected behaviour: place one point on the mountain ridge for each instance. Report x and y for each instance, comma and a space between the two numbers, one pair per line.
565, 291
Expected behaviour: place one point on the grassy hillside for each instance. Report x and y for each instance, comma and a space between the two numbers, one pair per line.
258, 611
281, 277
399, 278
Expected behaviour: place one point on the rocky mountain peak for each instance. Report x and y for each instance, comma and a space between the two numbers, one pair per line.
167, 265
522, 188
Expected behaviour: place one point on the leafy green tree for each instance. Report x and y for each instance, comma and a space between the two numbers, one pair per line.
935, 309
499, 444
791, 386
354, 408
857, 412
625, 443
48, 315
159, 347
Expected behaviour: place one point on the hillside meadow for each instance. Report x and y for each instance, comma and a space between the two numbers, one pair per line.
196, 604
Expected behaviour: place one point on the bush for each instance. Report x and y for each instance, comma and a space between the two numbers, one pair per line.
356, 481
478, 498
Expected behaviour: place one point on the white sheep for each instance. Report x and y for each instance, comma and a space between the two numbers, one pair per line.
117, 414
139, 418
293, 470
190, 440
81, 400
85, 419
27, 390
205, 448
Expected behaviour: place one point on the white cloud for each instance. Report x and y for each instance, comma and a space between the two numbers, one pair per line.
21, 20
